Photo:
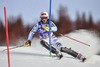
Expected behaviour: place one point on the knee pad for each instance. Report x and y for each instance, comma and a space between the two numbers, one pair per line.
58, 44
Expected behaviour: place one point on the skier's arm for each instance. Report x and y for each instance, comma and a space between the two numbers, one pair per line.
30, 36
32, 32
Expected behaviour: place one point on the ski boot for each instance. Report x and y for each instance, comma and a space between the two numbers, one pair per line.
59, 55
81, 57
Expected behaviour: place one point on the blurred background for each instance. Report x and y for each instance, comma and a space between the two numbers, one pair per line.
68, 15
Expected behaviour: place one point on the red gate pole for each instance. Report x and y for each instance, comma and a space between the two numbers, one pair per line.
7, 36
74, 39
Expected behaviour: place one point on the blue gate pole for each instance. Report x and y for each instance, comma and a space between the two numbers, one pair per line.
50, 26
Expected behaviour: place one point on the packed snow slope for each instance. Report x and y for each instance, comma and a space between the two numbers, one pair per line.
38, 56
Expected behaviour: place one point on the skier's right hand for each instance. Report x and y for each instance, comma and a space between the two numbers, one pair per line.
27, 43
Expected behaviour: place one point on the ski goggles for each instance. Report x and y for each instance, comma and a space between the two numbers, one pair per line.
44, 18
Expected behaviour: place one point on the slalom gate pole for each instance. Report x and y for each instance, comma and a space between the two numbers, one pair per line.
7, 36
50, 26
74, 39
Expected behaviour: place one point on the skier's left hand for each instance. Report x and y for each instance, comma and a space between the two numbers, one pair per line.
46, 28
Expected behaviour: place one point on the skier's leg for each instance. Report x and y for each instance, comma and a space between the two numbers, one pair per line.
73, 53
47, 46
70, 51
54, 50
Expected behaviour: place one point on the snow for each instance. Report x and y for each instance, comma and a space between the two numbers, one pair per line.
37, 56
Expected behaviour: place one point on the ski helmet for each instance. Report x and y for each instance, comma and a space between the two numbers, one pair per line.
44, 14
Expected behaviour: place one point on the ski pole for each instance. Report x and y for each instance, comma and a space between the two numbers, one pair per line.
74, 39
13, 47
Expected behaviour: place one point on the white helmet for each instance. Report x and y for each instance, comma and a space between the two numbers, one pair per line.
44, 14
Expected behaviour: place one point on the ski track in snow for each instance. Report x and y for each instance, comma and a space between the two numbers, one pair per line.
38, 56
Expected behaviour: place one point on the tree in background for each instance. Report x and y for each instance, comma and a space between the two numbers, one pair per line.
64, 23
91, 25
98, 27
78, 22
2, 33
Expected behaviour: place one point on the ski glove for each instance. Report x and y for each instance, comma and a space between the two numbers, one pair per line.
46, 28
27, 43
